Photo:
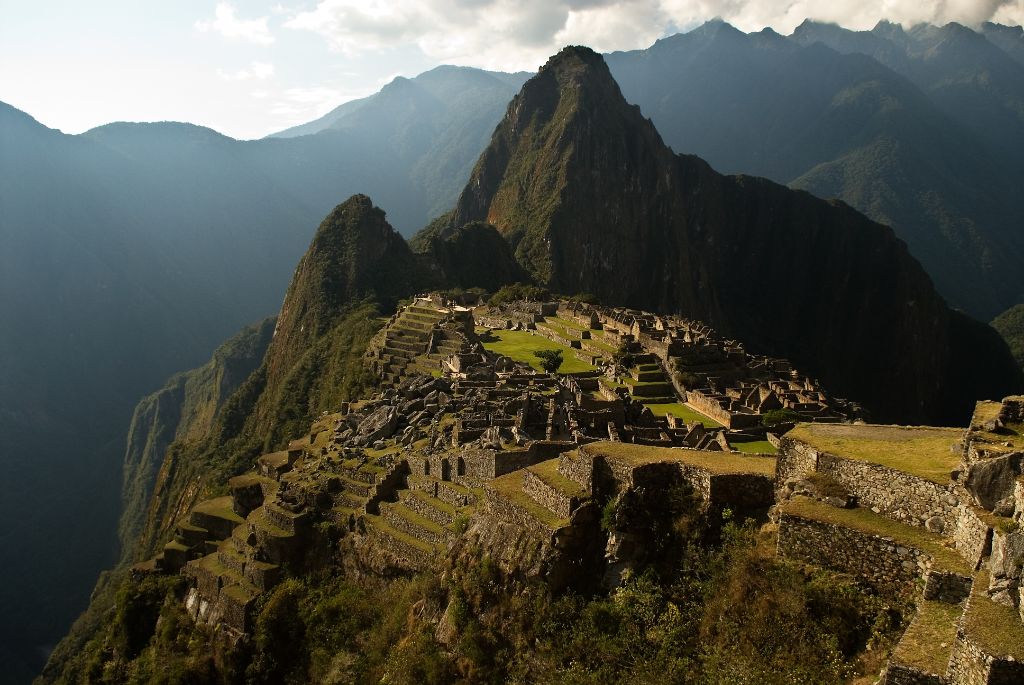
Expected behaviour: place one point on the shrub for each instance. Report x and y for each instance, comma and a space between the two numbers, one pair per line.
550, 360
518, 292
774, 417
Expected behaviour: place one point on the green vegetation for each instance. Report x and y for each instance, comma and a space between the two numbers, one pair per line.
923, 452
715, 462
684, 412
550, 360
754, 447
511, 487
774, 417
520, 346
929, 638
871, 523
1010, 325
733, 615
996, 628
518, 292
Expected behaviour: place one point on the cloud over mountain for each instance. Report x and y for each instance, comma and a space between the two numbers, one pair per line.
520, 34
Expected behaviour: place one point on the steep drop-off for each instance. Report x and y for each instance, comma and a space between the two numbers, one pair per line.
591, 200
184, 410
356, 267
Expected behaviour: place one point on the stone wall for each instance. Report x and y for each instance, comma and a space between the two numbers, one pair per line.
795, 461
744, 493
552, 499
514, 514
901, 674
894, 494
578, 468
945, 586
881, 562
972, 535
403, 554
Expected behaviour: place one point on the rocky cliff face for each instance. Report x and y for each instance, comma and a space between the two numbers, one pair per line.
357, 265
591, 200
185, 409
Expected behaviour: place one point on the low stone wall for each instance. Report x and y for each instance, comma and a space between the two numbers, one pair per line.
744, 493
894, 494
901, 674
578, 468
404, 525
945, 586
514, 514
795, 461
882, 563
405, 555
552, 499
972, 535
414, 503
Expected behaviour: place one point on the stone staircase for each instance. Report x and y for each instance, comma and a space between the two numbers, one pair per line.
429, 514
407, 339
541, 497
648, 383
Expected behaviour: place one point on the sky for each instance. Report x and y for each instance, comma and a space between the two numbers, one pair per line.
249, 68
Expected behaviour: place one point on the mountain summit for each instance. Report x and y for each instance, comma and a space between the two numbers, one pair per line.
592, 200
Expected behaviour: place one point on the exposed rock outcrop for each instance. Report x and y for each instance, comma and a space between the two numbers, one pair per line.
591, 200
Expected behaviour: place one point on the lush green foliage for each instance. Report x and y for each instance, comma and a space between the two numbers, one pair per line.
550, 360
773, 417
519, 291
1010, 325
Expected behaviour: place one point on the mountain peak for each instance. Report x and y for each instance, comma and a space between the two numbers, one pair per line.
573, 63
355, 254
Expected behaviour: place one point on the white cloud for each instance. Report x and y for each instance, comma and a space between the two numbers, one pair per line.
302, 104
227, 23
258, 71
521, 34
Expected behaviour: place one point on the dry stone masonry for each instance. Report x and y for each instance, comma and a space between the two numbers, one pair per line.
464, 448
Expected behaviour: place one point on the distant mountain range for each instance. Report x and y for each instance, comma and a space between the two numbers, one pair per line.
132, 250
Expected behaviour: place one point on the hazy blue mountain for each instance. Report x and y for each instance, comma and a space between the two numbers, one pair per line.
1009, 38
967, 74
129, 252
845, 125
433, 125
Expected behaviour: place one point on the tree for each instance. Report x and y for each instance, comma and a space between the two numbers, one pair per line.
550, 360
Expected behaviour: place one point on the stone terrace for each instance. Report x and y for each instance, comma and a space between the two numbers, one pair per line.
926, 513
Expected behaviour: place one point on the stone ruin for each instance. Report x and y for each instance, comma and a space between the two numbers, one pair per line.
521, 463
949, 539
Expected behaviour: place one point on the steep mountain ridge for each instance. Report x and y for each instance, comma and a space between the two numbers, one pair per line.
119, 239
356, 267
839, 123
592, 201
184, 410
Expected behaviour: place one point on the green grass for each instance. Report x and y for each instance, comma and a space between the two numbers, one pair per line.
379, 523
221, 507
433, 501
866, 521
715, 462
548, 472
520, 346
755, 447
684, 412
928, 641
511, 487
996, 628
416, 518
922, 452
